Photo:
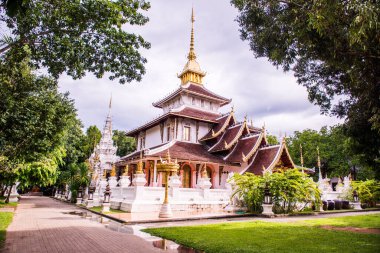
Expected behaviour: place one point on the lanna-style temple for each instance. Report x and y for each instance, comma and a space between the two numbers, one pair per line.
209, 147
200, 137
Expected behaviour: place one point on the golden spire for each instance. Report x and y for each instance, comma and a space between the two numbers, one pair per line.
191, 56
192, 71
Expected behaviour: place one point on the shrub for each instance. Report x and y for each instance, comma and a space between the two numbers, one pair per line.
345, 204
338, 204
287, 188
368, 191
324, 203
330, 205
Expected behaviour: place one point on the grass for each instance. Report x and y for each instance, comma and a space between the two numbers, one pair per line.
5, 220
99, 210
259, 236
3, 204
360, 221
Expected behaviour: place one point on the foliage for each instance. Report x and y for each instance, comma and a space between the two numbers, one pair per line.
288, 189
368, 191
76, 37
92, 138
259, 236
33, 114
336, 153
250, 188
34, 122
272, 140
125, 144
333, 48
5, 220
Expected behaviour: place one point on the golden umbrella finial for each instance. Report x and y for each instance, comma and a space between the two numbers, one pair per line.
168, 159
191, 55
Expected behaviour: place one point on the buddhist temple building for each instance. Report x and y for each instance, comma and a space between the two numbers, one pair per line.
199, 137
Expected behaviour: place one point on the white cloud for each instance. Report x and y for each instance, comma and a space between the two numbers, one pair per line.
256, 87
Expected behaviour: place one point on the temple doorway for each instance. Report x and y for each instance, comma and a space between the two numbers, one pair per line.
186, 176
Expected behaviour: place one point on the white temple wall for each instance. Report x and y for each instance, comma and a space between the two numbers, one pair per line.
153, 137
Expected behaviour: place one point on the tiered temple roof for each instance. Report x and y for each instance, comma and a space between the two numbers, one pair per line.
185, 112
222, 123
270, 158
194, 89
230, 136
246, 148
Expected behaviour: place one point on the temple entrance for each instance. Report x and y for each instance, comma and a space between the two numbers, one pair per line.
186, 176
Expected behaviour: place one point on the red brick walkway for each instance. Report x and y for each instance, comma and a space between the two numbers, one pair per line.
42, 225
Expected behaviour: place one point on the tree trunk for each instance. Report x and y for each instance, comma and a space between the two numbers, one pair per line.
9, 193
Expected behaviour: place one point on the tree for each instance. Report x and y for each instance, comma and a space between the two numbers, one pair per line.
77, 36
333, 48
336, 153
34, 119
124, 144
272, 140
92, 138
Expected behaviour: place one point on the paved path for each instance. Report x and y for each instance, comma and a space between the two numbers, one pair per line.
42, 224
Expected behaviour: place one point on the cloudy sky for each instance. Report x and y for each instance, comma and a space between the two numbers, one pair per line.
257, 88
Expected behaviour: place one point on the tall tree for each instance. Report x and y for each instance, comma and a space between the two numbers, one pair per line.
77, 36
34, 120
333, 48
124, 144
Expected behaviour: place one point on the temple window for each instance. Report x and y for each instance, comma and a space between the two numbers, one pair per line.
210, 105
202, 103
193, 101
186, 133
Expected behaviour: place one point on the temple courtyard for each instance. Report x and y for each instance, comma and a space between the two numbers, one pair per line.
42, 224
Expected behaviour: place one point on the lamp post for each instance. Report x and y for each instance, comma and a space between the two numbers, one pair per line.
356, 197
106, 200
167, 167
267, 196
267, 204
91, 191
356, 203
80, 195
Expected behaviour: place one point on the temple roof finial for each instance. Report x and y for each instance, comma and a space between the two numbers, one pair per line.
191, 55
192, 71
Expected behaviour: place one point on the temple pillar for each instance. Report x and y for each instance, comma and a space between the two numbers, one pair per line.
155, 173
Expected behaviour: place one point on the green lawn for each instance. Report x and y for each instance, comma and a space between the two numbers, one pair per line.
3, 204
360, 221
99, 210
5, 220
259, 236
